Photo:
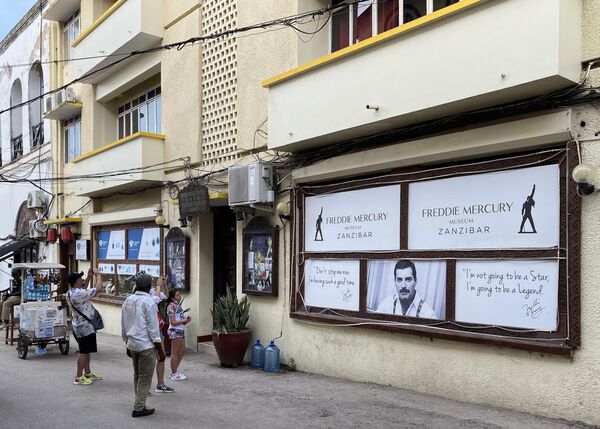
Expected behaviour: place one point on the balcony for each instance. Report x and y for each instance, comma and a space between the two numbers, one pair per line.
133, 155
471, 55
60, 10
127, 26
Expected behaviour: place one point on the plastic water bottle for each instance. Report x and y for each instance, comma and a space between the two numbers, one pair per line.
258, 355
272, 358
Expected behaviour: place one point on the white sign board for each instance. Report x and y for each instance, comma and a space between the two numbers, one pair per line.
116, 245
363, 220
522, 294
106, 268
151, 270
501, 210
126, 269
82, 251
332, 284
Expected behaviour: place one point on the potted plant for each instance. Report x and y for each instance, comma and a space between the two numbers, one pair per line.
230, 335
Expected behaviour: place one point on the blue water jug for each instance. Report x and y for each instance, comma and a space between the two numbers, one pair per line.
272, 358
258, 355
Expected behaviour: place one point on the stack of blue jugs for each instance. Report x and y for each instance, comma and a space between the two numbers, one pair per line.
271, 358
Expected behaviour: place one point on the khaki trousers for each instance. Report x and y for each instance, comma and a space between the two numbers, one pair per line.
11, 301
143, 370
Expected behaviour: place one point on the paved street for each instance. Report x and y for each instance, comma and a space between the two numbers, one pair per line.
38, 393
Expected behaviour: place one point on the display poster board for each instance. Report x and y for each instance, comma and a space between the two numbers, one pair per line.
82, 250
144, 244
332, 284
502, 210
361, 220
177, 259
512, 293
106, 268
126, 269
151, 270
111, 244
404, 287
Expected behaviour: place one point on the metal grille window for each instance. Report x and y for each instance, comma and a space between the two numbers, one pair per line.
16, 147
72, 138
37, 135
363, 19
71, 28
143, 113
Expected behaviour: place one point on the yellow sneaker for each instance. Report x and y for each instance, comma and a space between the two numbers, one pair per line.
93, 376
82, 380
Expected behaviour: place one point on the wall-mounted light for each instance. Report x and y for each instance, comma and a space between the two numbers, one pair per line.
283, 211
160, 219
585, 175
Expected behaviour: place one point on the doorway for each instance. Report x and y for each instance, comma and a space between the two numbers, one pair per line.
224, 240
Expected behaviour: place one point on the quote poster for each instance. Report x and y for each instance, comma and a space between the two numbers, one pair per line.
521, 294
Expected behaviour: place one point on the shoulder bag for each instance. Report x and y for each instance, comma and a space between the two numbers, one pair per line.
96, 321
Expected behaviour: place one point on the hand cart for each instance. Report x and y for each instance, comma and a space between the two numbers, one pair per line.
41, 321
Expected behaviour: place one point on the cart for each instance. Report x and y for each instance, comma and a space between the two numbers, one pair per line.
41, 321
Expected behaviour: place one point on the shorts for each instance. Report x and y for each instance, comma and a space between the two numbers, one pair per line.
175, 333
87, 344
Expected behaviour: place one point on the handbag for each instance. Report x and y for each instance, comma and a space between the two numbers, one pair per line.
96, 320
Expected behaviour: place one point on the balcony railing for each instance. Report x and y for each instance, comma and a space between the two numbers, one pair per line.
16, 148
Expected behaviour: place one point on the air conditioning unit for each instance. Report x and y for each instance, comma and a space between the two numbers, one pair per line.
250, 184
35, 200
37, 229
63, 96
48, 104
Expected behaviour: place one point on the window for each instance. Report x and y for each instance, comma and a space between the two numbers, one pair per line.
71, 29
121, 251
143, 113
72, 138
363, 19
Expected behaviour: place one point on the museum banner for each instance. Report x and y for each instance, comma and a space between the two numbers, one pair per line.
361, 220
332, 284
517, 293
516, 209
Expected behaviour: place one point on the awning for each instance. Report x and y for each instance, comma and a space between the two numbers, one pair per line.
8, 249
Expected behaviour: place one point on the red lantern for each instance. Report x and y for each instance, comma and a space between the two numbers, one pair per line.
51, 235
65, 234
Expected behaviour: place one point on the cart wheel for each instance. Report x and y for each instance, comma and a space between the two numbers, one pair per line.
22, 346
63, 345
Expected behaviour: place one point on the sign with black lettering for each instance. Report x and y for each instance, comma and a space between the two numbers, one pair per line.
512, 209
361, 220
522, 294
193, 200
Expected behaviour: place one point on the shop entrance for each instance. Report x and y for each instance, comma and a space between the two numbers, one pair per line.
224, 251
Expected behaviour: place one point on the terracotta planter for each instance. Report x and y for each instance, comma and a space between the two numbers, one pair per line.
231, 348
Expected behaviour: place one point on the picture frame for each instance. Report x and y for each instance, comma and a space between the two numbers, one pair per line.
177, 259
260, 258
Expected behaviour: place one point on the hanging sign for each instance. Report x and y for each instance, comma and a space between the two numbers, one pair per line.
193, 200
332, 284
501, 210
362, 220
522, 294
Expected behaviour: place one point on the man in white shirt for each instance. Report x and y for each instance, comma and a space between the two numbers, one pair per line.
406, 301
139, 329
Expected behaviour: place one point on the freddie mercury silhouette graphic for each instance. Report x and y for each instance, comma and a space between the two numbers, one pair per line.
526, 213
318, 232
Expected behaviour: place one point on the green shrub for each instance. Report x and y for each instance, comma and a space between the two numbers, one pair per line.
229, 314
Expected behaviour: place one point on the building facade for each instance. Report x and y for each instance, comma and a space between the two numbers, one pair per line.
25, 164
424, 224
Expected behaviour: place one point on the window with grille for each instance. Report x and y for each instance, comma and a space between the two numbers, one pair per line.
71, 29
143, 113
72, 138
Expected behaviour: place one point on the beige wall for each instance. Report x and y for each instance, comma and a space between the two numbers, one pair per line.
259, 57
